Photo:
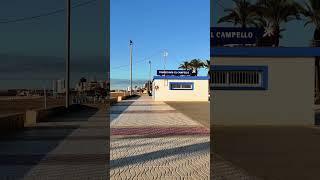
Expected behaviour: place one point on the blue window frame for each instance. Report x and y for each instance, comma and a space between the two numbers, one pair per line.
181, 85
239, 77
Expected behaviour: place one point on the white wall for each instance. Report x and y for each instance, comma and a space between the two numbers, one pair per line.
288, 101
199, 93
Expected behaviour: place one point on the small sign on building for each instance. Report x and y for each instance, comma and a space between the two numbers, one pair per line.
174, 72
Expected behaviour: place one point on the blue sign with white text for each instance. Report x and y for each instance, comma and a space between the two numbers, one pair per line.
230, 36
174, 72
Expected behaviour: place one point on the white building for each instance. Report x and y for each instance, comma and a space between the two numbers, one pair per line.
262, 91
180, 88
58, 86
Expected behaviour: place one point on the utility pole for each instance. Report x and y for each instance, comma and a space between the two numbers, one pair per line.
149, 88
67, 86
131, 44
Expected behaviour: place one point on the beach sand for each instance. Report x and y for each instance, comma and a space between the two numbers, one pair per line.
20, 105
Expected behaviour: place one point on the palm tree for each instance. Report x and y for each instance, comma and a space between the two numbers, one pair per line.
83, 79
185, 65
242, 14
196, 64
274, 13
206, 64
311, 10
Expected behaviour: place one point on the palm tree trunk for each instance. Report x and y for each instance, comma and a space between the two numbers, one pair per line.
277, 36
243, 26
317, 79
316, 37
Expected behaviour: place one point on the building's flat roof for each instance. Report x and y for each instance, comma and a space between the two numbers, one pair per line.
183, 77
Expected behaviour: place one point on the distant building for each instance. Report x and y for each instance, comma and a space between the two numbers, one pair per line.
61, 86
91, 87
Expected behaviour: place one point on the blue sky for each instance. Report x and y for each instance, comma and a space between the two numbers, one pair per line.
33, 52
46, 36
180, 26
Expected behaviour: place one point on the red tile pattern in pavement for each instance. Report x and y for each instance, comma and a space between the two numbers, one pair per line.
143, 111
160, 131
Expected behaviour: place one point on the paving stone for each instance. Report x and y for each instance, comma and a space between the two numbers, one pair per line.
70, 147
151, 140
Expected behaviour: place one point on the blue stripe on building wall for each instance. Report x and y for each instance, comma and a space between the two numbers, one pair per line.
182, 77
237, 68
265, 52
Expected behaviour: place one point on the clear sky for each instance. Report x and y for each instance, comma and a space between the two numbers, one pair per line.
33, 51
180, 26
296, 35
46, 36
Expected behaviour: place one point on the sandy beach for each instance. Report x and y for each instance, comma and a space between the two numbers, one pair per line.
10, 105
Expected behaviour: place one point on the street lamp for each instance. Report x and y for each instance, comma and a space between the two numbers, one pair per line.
67, 82
131, 45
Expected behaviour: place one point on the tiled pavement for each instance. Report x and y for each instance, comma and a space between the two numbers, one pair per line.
69, 147
224, 170
151, 140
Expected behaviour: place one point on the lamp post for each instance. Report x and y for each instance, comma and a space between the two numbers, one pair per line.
67, 82
149, 88
131, 45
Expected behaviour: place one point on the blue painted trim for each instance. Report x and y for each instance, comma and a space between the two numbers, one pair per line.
183, 77
237, 68
265, 78
192, 84
230, 88
265, 52
263, 69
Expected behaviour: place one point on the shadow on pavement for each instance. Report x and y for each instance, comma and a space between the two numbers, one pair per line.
120, 107
142, 158
21, 151
271, 152
75, 113
197, 111
317, 118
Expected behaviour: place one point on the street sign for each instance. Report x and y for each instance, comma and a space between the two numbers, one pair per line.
174, 72
226, 36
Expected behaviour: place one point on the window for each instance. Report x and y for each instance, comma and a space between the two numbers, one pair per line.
239, 78
181, 85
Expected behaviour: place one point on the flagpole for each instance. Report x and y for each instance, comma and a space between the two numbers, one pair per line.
165, 54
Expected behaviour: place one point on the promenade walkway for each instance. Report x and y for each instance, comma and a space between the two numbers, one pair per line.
69, 147
151, 140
